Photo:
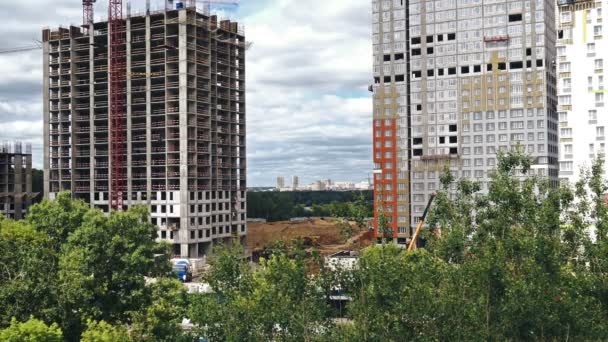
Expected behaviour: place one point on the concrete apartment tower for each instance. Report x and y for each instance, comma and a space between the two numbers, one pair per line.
15, 180
295, 182
454, 83
582, 54
185, 123
280, 182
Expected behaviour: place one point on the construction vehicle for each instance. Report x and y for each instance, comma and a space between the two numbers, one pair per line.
421, 223
182, 269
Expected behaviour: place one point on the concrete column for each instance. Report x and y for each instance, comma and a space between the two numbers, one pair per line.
18, 188
183, 133
148, 117
128, 113
46, 117
72, 114
108, 197
92, 114
28, 179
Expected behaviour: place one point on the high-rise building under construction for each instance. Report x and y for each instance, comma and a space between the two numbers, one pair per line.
15, 179
181, 150
455, 82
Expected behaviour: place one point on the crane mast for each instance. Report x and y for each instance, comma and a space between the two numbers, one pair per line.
87, 12
117, 70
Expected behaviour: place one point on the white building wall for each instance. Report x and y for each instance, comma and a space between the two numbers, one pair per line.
582, 54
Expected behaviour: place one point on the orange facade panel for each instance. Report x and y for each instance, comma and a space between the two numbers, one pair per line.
385, 185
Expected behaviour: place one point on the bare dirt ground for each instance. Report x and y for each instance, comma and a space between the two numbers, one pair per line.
325, 235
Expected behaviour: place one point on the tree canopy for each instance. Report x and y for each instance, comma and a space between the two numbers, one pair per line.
526, 259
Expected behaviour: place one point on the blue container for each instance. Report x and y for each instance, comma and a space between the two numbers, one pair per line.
179, 5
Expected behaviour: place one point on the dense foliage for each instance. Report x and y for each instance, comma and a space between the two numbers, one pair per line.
526, 261
72, 265
280, 206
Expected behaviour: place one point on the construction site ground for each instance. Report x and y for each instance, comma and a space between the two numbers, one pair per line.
323, 234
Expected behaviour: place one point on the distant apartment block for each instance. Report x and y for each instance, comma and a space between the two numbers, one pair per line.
455, 82
15, 180
280, 182
295, 182
582, 54
184, 132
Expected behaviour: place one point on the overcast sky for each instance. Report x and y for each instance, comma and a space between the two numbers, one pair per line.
308, 109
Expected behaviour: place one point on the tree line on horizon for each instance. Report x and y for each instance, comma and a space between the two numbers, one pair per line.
515, 263
281, 206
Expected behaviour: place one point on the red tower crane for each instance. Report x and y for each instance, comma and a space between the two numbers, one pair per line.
117, 70
87, 12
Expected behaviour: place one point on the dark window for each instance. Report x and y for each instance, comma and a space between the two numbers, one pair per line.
399, 56
387, 79
453, 140
417, 74
515, 17
442, 140
439, 37
477, 68
515, 65
453, 128
430, 72
399, 78
528, 64
416, 52
417, 141
453, 150
418, 107
560, 34
417, 152
429, 39
163, 234
440, 72
415, 40
451, 36
528, 52
451, 71
464, 70
387, 58
539, 63
429, 50
502, 66
490, 67
376, 80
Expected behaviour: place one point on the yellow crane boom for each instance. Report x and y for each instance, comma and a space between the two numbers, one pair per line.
421, 223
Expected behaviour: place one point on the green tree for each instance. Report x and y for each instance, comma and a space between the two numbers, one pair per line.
104, 332
161, 319
225, 314
277, 302
103, 266
31, 331
58, 219
26, 273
